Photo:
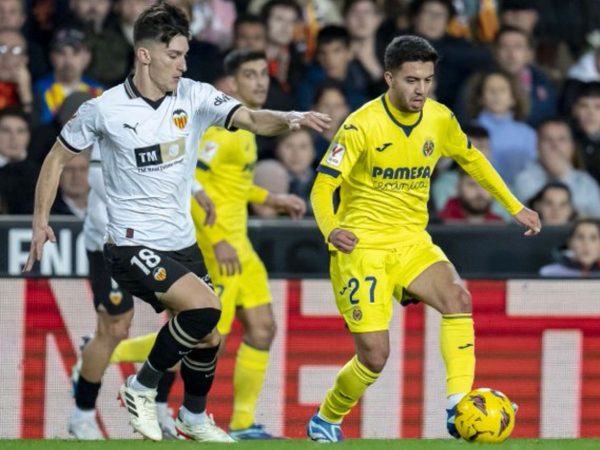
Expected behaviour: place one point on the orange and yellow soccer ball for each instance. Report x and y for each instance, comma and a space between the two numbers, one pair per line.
485, 415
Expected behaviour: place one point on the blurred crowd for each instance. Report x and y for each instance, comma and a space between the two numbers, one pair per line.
523, 77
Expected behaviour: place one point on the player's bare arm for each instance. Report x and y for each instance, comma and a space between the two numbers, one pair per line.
291, 204
530, 220
45, 193
343, 240
271, 123
208, 206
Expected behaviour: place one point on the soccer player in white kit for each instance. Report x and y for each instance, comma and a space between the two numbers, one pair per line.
148, 129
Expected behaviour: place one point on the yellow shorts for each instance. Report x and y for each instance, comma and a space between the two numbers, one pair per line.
246, 290
365, 281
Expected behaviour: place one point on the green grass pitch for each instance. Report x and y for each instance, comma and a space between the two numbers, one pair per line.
355, 444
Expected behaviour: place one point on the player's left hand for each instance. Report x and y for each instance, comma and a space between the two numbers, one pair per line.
530, 220
208, 206
310, 119
291, 204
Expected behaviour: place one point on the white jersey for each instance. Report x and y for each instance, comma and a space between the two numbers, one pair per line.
148, 152
94, 225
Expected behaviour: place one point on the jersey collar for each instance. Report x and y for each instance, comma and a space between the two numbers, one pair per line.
406, 128
132, 92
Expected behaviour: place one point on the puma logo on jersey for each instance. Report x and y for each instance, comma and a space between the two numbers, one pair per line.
349, 126
130, 127
383, 147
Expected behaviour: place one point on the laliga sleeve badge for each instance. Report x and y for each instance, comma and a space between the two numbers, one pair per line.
336, 153
357, 313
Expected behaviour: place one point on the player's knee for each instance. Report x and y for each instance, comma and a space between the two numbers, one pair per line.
194, 325
212, 339
113, 329
261, 335
375, 360
457, 300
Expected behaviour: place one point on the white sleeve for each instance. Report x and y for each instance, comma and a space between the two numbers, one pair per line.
84, 128
196, 187
215, 108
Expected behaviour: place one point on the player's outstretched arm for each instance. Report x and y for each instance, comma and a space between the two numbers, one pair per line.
271, 123
530, 220
45, 193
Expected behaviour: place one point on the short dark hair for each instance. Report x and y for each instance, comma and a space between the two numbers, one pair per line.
268, 7
518, 5
161, 22
348, 4
14, 111
550, 120
590, 89
247, 18
416, 6
408, 48
476, 131
235, 58
333, 33
582, 221
548, 186
329, 85
506, 29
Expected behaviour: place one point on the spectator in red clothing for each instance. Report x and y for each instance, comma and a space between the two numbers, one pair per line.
15, 79
472, 205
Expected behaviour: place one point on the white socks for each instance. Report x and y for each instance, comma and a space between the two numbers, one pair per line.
191, 418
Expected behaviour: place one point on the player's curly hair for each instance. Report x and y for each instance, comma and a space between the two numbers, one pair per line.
161, 22
408, 49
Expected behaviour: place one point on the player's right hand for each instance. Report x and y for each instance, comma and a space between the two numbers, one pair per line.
227, 258
343, 240
40, 235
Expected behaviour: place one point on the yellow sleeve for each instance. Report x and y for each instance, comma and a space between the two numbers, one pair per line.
459, 148
336, 165
257, 194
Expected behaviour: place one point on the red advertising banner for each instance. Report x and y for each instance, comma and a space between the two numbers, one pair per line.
537, 341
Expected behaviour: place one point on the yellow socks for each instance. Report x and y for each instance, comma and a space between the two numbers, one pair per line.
457, 339
248, 378
352, 381
134, 349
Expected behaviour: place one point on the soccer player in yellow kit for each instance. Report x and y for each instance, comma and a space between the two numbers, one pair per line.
382, 158
225, 168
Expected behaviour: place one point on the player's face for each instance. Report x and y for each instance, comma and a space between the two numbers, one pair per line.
585, 244
410, 85
587, 113
497, 96
252, 36
555, 207
251, 83
167, 62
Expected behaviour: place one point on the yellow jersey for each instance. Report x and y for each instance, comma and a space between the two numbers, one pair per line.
383, 160
225, 168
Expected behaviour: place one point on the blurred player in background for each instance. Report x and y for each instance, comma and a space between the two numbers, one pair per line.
383, 158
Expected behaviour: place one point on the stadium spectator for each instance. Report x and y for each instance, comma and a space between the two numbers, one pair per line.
12, 18
17, 172
45, 134
336, 62
15, 78
362, 19
586, 112
250, 32
329, 99
498, 105
472, 205
296, 152
514, 55
70, 56
554, 204
110, 51
127, 13
73, 188
580, 257
459, 58
556, 150
271, 175
285, 61
212, 21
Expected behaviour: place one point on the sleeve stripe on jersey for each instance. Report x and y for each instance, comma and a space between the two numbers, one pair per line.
68, 146
328, 171
95, 162
201, 165
230, 116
